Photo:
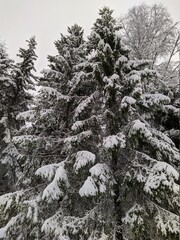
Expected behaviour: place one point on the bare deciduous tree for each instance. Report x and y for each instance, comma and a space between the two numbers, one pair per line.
149, 32
170, 67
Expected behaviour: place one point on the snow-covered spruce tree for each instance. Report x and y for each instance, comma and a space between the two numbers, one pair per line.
119, 178
151, 34
167, 117
41, 140
24, 77
124, 102
7, 89
19, 102
15, 98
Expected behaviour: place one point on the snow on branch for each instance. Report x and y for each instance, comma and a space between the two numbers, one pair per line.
32, 212
134, 78
64, 227
83, 158
47, 171
78, 125
121, 60
162, 145
167, 222
49, 92
157, 99
153, 175
11, 224
55, 189
84, 104
114, 141
52, 225
24, 140
52, 192
140, 127
101, 171
134, 216
79, 137
49, 73
98, 182
27, 115
162, 175
89, 188
8, 199
127, 101
61, 175
135, 64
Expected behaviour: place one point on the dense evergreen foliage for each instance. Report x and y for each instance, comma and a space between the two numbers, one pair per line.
7, 89
92, 150
16, 99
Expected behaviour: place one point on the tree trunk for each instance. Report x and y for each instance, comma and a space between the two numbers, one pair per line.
117, 203
118, 214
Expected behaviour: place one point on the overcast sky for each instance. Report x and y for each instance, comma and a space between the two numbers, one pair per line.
46, 19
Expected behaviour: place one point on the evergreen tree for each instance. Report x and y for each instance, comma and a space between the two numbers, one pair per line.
167, 118
119, 143
25, 79
118, 167
21, 77
7, 88
151, 34
41, 141
115, 175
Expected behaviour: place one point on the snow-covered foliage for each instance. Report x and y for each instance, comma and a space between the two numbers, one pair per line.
114, 141
16, 111
98, 182
134, 216
7, 199
140, 127
84, 105
79, 137
52, 192
89, 188
127, 101
92, 161
155, 100
49, 92
83, 158
47, 171
162, 175
26, 115
168, 223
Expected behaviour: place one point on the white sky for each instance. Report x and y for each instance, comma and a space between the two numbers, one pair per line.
46, 19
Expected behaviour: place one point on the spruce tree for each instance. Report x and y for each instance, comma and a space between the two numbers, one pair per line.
22, 78
115, 175
119, 171
167, 118
7, 89
41, 140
